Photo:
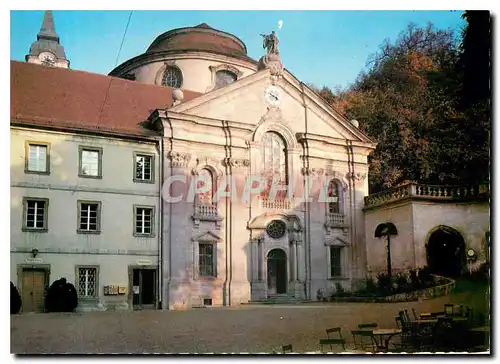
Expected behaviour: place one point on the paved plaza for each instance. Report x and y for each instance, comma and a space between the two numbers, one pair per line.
244, 329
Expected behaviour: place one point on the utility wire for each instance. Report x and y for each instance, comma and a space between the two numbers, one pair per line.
116, 63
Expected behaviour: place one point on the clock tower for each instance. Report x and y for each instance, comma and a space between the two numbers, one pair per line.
47, 50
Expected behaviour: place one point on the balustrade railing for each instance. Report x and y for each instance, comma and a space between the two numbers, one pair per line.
277, 204
424, 191
335, 219
206, 210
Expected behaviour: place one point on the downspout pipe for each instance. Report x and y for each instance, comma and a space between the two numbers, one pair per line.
307, 217
160, 229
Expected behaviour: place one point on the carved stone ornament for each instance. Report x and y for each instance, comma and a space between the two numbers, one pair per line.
206, 162
180, 159
356, 176
308, 171
273, 62
236, 163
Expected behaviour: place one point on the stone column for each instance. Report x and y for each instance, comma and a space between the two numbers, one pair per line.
299, 255
254, 259
260, 260
293, 260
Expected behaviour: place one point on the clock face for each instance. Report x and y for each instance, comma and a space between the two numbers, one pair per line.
273, 95
47, 59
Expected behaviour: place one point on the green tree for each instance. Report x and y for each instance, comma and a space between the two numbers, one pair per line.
410, 102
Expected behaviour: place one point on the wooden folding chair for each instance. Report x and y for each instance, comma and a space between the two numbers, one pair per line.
334, 330
415, 316
331, 342
363, 335
448, 309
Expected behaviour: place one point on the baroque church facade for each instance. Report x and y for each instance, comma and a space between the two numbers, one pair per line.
153, 187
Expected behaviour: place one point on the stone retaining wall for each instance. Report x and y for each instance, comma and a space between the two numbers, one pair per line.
421, 294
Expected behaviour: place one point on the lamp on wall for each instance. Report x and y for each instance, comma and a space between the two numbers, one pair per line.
34, 252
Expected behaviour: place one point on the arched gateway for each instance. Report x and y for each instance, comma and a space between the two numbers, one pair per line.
276, 272
446, 252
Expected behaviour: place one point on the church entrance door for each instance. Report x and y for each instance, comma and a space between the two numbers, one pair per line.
276, 272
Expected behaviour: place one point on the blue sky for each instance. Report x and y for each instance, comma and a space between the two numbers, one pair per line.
320, 47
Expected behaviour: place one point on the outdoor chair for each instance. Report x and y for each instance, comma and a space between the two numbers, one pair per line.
407, 315
415, 316
403, 316
445, 337
407, 337
366, 340
448, 309
334, 330
331, 342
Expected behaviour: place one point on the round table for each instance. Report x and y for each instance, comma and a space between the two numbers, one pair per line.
385, 336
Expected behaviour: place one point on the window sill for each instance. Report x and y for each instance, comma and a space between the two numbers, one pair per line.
97, 232
144, 181
338, 278
206, 279
206, 218
137, 235
27, 171
34, 230
88, 299
87, 176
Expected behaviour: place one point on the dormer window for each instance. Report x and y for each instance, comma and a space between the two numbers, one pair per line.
224, 78
172, 77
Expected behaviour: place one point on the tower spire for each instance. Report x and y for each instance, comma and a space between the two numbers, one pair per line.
48, 29
47, 50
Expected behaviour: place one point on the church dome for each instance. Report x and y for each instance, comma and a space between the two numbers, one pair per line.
199, 38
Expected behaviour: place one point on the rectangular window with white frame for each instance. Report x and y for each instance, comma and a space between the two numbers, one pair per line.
144, 217
37, 158
89, 217
143, 168
90, 162
87, 281
335, 261
207, 260
35, 215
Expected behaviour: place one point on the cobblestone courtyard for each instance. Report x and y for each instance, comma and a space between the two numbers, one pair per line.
253, 329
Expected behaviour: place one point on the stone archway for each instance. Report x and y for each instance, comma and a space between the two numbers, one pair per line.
446, 252
276, 272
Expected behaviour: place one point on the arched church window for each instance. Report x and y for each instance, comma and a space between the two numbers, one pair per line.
274, 157
224, 78
333, 197
172, 77
206, 184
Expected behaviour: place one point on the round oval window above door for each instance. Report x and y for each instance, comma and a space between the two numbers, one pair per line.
276, 229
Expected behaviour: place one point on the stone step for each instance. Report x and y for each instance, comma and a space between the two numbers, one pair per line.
277, 299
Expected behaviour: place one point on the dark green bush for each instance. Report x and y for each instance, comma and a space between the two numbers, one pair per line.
425, 277
384, 283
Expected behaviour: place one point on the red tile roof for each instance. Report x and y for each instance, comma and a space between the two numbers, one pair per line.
73, 100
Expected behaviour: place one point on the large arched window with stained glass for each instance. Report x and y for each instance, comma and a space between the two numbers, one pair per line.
274, 162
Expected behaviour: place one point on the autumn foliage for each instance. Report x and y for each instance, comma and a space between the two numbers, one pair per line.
411, 102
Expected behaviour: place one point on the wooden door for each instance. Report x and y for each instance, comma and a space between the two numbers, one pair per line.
144, 289
33, 290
